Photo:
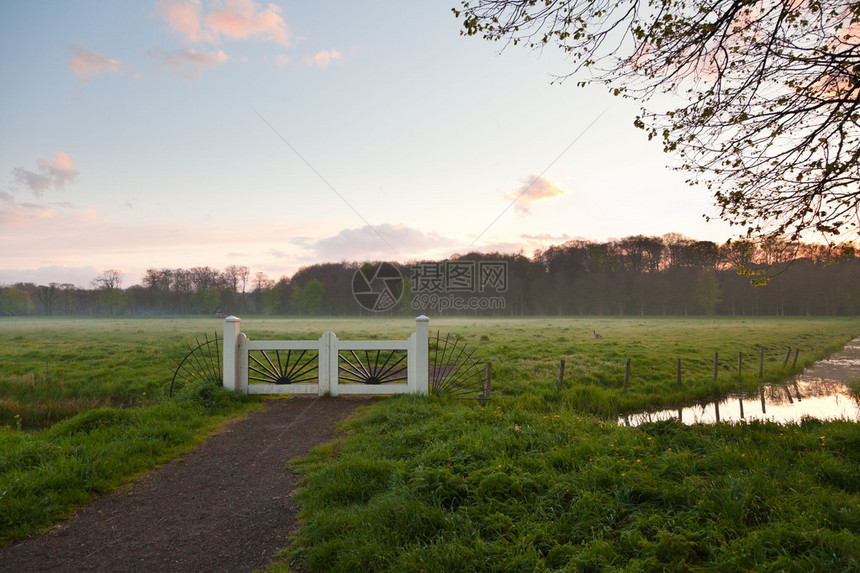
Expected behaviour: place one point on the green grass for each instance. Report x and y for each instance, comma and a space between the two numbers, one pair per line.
46, 475
544, 481
525, 365
423, 485
51, 369
538, 480
83, 410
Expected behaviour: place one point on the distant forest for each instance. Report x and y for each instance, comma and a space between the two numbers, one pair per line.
668, 275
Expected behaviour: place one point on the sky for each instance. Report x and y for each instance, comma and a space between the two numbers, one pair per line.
276, 135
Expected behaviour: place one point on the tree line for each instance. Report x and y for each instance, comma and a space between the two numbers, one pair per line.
637, 275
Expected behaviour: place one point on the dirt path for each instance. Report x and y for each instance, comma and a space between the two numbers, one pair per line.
225, 506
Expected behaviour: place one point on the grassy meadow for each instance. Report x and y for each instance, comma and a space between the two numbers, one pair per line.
538, 480
83, 409
542, 480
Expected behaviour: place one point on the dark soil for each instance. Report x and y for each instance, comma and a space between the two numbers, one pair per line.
225, 506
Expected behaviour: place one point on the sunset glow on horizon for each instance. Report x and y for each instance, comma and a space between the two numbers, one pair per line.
181, 133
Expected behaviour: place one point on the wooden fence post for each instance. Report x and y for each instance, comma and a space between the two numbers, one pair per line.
716, 362
740, 361
761, 362
787, 356
626, 374
488, 372
794, 363
679, 371
560, 384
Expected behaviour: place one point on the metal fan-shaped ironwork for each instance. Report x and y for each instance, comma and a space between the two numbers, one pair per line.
283, 366
372, 366
454, 372
200, 363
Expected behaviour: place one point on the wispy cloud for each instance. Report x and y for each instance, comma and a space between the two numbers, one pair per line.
61, 169
188, 62
241, 19
51, 173
534, 189
81, 236
282, 61
38, 183
182, 17
525, 244
323, 58
563, 238
15, 214
87, 64
77, 276
364, 244
226, 19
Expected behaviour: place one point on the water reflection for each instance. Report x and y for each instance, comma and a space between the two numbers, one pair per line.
820, 391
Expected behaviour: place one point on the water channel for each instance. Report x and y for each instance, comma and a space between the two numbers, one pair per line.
821, 391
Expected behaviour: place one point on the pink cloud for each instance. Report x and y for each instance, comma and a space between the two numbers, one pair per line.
323, 59
231, 19
240, 19
87, 64
182, 17
535, 189
190, 63
52, 173
24, 214
61, 169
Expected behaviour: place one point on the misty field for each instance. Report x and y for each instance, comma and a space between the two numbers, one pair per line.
54, 368
536, 480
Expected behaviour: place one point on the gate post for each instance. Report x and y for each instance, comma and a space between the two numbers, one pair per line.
231, 349
242, 364
422, 355
328, 364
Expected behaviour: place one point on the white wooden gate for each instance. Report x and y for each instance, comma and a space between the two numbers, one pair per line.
327, 365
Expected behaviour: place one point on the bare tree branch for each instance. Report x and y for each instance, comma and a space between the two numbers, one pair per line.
772, 127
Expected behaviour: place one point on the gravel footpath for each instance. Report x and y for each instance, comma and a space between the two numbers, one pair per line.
227, 505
